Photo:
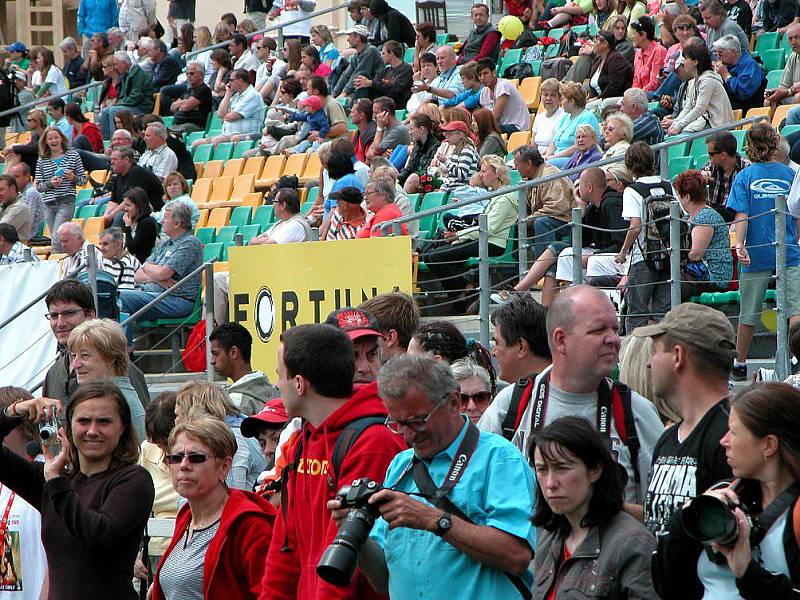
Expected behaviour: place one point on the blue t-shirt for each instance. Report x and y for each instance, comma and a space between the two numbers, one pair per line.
565, 132
496, 490
753, 192
349, 180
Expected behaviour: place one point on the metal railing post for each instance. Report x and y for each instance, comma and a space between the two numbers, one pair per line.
91, 266
674, 252
209, 317
27, 255
577, 247
663, 163
522, 232
782, 333
483, 277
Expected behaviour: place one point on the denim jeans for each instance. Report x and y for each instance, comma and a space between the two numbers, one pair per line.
169, 307
56, 213
793, 116
544, 228
559, 162
106, 118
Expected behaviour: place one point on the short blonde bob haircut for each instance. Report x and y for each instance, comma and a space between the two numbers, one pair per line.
201, 398
107, 338
212, 433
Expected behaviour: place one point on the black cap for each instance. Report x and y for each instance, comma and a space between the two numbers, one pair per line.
349, 194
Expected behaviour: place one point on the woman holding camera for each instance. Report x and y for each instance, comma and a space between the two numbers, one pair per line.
762, 558
93, 497
590, 547
221, 535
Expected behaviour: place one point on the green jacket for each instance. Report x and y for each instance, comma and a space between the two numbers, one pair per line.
501, 213
136, 89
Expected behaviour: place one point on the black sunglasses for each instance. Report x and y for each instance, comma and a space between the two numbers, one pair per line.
477, 397
195, 458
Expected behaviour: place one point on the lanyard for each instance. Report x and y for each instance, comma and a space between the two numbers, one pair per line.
4, 521
457, 466
446, 82
603, 406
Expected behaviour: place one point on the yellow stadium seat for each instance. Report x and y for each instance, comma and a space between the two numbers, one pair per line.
56, 256
221, 191
24, 137
99, 175
90, 116
203, 218
219, 217
295, 163
11, 138
201, 190
517, 139
157, 104
781, 112
77, 221
242, 185
92, 229
254, 165
737, 114
312, 169
198, 168
213, 168
253, 199
530, 90
234, 167
274, 167
755, 112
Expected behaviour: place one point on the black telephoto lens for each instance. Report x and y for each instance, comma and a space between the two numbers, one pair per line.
339, 561
710, 520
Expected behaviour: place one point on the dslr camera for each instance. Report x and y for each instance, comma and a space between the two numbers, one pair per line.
338, 562
712, 521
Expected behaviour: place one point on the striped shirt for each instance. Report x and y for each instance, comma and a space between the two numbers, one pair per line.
123, 270
16, 255
181, 575
46, 169
344, 230
460, 168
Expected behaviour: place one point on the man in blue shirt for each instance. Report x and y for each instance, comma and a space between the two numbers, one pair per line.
429, 551
96, 16
743, 76
55, 108
753, 194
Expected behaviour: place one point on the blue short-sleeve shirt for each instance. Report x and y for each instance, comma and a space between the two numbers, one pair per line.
565, 132
183, 255
753, 192
496, 490
250, 105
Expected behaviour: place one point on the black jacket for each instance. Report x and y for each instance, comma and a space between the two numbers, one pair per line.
397, 25
143, 178
185, 163
166, 71
421, 156
394, 82
257, 6
616, 75
608, 216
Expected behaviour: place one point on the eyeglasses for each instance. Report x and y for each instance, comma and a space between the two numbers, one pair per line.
684, 27
68, 314
477, 397
195, 458
418, 424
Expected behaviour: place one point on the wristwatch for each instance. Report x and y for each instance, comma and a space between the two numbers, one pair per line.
443, 524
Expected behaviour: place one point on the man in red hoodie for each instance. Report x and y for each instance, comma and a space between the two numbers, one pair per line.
316, 367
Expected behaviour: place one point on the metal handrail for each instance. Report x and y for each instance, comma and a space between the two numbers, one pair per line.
524, 185
168, 292
46, 99
36, 300
250, 36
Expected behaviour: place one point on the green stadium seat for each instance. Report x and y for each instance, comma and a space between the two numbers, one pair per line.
677, 150
223, 151
242, 147
265, 215
739, 134
784, 43
306, 208
552, 51
206, 234
89, 211
679, 165
700, 161
182, 322
240, 216
579, 29
427, 225
225, 247
788, 129
511, 57
84, 194
556, 33
213, 250
413, 199
215, 122
193, 137
168, 121
441, 39
227, 234
774, 78
766, 41
312, 194
515, 176
537, 68
249, 232
202, 153
773, 59
401, 114
408, 57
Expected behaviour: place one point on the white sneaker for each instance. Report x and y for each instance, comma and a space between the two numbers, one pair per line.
501, 297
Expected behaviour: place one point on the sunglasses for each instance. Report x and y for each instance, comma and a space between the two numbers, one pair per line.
195, 458
684, 27
477, 398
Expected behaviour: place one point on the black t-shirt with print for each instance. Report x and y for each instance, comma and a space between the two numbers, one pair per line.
681, 471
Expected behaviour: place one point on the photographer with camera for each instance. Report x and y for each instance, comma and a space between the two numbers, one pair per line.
343, 438
750, 524
455, 510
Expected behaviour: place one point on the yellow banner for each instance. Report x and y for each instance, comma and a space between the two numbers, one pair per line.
277, 286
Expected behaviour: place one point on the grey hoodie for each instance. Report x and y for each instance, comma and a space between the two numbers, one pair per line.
251, 392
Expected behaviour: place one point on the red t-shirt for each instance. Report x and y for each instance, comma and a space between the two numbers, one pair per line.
387, 213
551, 595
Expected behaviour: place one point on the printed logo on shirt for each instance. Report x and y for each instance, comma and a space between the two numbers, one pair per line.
10, 563
769, 188
673, 482
313, 466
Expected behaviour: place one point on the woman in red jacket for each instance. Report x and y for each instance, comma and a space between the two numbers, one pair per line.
221, 535
87, 134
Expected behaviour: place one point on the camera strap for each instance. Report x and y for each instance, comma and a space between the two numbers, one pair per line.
438, 495
766, 518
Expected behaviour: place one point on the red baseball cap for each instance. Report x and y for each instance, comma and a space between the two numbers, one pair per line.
273, 414
354, 322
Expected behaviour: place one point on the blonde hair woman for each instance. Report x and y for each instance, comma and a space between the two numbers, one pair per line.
199, 399
98, 352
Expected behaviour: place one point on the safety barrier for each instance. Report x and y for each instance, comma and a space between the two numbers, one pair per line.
46, 99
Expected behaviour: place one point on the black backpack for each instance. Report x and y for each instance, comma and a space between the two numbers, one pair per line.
8, 96
655, 212
107, 294
520, 70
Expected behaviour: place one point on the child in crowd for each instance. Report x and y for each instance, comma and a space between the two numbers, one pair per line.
313, 119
